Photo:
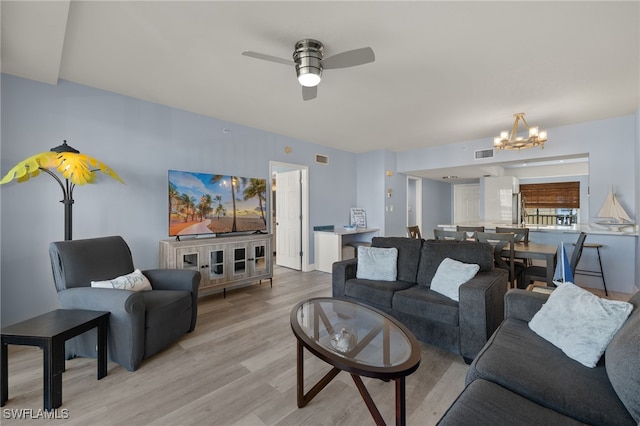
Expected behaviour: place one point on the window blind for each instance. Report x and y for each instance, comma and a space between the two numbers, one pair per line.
551, 195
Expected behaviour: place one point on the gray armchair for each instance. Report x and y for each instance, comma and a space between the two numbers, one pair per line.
141, 323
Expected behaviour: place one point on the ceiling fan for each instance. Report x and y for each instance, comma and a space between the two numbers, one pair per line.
309, 62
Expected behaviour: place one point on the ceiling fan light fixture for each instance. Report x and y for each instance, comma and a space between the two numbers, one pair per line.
308, 56
309, 61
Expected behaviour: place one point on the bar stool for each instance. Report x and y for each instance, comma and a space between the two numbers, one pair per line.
599, 273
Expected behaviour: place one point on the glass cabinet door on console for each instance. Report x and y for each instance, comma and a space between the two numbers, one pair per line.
189, 259
239, 261
259, 259
217, 268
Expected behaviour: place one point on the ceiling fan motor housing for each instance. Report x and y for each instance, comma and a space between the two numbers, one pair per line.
308, 56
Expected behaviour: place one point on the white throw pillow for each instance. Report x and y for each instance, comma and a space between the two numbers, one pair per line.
450, 275
377, 263
579, 323
135, 281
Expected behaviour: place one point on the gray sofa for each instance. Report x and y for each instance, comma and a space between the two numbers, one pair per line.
141, 323
461, 327
521, 379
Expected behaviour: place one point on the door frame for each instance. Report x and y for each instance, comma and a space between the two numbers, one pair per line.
274, 166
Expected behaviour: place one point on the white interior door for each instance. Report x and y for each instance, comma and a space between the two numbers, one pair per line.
289, 219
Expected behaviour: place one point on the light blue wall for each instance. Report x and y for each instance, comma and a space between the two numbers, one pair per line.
370, 188
389, 214
436, 205
395, 207
141, 141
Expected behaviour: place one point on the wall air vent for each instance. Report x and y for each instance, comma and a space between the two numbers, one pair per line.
322, 159
484, 153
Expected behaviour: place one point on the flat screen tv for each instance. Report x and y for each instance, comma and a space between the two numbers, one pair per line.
202, 203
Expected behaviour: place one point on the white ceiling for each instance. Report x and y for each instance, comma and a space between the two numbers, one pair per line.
444, 71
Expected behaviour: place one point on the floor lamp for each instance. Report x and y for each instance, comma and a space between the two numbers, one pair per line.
75, 168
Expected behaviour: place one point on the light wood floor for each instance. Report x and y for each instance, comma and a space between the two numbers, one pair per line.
237, 368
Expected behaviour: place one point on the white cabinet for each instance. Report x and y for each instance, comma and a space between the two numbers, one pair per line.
498, 198
223, 262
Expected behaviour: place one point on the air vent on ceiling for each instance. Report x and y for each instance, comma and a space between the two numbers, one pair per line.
322, 159
484, 153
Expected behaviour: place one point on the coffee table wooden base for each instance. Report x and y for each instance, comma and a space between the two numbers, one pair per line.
305, 398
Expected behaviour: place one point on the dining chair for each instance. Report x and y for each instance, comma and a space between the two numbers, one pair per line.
414, 232
521, 235
440, 234
539, 273
470, 230
500, 243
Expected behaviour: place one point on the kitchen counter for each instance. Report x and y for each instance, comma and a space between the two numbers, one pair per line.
589, 228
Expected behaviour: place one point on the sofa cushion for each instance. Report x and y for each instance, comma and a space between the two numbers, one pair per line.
580, 323
423, 302
377, 263
450, 275
622, 358
485, 403
435, 251
519, 360
408, 254
373, 291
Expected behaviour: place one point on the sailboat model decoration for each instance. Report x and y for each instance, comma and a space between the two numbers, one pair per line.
613, 213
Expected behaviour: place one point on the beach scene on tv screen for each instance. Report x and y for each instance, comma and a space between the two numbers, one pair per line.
203, 203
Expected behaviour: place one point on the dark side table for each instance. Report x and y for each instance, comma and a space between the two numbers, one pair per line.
49, 332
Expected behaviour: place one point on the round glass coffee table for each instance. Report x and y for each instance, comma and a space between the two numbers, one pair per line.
358, 339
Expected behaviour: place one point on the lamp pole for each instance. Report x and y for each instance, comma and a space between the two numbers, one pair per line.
67, 191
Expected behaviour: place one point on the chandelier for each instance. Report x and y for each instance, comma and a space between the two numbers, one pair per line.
513, 141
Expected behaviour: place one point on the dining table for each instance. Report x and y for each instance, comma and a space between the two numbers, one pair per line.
546, 252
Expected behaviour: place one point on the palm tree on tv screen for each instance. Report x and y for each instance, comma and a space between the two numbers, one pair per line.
189, 206
235, 182
257, 188
219, 208
205, 206
174, 197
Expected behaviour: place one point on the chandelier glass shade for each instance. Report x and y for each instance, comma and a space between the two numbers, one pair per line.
506, 140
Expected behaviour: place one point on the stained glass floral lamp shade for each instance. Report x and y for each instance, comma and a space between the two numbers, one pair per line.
75, 168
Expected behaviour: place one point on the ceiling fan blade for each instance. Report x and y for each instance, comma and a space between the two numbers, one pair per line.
309, 93
269, 58
349, 58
